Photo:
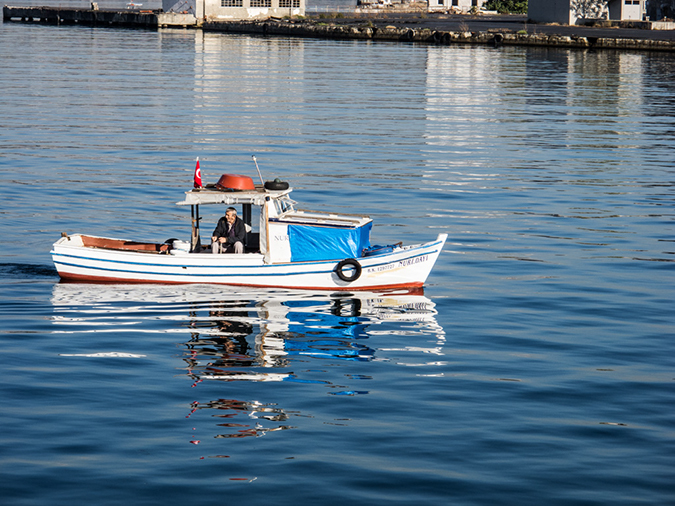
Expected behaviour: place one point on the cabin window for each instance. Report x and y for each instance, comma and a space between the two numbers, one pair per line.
231, 3
261, 3
289, 4
283, 206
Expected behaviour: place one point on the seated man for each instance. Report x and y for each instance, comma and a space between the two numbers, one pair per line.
230, 234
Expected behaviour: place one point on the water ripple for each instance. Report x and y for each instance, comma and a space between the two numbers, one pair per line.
534, 369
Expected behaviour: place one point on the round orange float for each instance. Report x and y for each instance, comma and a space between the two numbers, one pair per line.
235, 182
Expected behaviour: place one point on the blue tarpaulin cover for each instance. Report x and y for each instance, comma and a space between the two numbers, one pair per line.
325, 243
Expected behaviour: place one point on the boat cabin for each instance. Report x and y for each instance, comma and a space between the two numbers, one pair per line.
284, 233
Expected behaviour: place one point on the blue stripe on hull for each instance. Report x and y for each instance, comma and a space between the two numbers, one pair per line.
205, 274
223, 267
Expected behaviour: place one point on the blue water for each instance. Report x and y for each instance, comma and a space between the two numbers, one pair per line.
537, 368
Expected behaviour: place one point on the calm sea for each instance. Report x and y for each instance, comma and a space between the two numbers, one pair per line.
537, 368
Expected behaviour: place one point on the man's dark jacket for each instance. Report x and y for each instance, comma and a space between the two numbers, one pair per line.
222, 230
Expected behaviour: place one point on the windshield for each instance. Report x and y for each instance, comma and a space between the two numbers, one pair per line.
283, 205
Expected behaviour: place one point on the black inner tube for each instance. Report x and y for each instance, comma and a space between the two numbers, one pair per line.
350, 263
276, 185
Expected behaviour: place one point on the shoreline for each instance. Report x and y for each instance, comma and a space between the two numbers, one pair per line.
493, 37
419, 27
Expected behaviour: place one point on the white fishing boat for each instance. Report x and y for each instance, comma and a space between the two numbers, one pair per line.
284, 247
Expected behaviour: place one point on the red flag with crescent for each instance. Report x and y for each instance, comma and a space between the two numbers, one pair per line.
198, 175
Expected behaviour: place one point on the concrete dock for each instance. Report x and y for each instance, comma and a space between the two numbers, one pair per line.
494, 36
96, 17
418, 27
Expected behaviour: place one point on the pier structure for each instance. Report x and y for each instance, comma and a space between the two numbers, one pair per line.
495, 33
96, 17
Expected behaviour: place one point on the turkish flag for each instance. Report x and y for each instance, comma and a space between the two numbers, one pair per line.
198, 175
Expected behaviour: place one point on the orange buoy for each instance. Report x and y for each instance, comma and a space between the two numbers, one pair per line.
235, 182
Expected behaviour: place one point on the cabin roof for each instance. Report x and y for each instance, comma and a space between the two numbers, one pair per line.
315, 218
256, 197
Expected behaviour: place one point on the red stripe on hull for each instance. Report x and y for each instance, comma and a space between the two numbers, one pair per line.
414, 287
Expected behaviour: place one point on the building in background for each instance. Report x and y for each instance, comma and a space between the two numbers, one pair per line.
629, 10
232, 10
457, 5
569, 12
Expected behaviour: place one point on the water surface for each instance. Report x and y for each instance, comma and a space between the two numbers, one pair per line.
537, 366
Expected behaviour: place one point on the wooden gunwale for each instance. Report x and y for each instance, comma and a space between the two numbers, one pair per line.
120, 245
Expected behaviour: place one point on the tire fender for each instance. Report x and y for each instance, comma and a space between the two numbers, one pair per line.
353, 264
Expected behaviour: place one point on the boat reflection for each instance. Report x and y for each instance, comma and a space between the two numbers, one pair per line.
253, 412
249, 335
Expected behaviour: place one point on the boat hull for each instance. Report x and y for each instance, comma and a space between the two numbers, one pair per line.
406, 267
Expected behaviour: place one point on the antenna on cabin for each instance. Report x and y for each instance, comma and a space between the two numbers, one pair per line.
259, 174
